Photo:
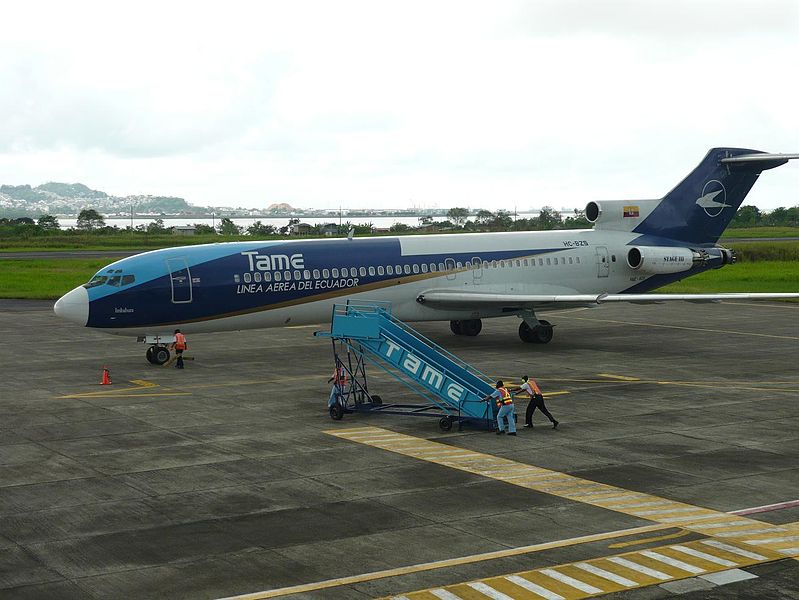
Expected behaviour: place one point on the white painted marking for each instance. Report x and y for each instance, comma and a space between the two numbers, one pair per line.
765, 508
776, 540
536, 589
571, 581
668, 560
708, 557
606, 574
790, 551
668, 511
721, 525
445, 595
725, 577
699, 517
733, 549
486, 589
640, 568
745, 532
640, 504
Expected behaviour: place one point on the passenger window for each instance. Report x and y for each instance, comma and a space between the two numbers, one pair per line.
578, 260
424, 267
371, 271
236, 279
316, 273
540, 262
416, 269
297, 276
267, 276
286, 275
306, 274
325, 273
571, 260
256, 277
248, 278
613, 258
390, 270
380, 270
335, 272
407, 269
432, 267
398, 269
525, 262
502, 264
277, 276
128, 279
363, 271
549, 261
441, 267
518, 263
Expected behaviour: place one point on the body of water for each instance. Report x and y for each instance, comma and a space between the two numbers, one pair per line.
379, 222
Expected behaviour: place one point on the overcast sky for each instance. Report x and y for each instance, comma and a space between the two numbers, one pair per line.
494, 104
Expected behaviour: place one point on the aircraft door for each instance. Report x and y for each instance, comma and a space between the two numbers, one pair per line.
180, 278
449, 265
602, 261
477, 270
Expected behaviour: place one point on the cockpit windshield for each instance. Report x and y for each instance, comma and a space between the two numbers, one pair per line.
112, 277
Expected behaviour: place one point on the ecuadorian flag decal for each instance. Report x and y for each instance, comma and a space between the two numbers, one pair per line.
631, 211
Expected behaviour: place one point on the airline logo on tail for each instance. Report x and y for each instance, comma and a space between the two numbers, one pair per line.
713, 199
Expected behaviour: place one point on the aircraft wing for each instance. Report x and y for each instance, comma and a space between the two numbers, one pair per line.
477, 299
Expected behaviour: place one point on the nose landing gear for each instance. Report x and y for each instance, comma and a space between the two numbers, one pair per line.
157, 354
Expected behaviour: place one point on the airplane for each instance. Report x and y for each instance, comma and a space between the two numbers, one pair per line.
633, 248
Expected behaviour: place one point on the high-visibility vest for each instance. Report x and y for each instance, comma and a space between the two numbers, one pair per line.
533, 387
180, 341
506, 397
340, 376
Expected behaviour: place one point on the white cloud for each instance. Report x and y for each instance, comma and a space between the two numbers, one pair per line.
497, 104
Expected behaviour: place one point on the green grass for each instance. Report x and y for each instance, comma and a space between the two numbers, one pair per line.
766, 276
45, 279
755, 232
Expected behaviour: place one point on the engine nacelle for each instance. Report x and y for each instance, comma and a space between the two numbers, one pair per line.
662, 261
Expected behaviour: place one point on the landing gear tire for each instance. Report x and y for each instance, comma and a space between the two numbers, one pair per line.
471, 327
455, 327
445, 423
157, 355
336, 412
541, 334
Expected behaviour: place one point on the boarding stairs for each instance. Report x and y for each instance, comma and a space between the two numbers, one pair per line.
366, 333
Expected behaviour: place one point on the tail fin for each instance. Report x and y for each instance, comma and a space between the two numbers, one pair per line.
699, 209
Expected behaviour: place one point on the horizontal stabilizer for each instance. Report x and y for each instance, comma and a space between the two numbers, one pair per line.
760, 161
467, 300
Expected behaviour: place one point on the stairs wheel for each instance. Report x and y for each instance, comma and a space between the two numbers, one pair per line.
336, 412
445, 423
377, 400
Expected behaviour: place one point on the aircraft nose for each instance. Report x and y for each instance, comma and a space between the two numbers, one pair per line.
74, 306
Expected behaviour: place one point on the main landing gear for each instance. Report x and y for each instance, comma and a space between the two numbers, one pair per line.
534, 331
157, 354
470, 327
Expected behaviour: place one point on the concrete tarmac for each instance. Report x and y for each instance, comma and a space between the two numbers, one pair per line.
220, 480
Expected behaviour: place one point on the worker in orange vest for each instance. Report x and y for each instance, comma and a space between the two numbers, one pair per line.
339, 379
179, 345
504, 402
536, 401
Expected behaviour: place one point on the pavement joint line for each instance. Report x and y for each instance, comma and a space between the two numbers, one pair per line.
684, 328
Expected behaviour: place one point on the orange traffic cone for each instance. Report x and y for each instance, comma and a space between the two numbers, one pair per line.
105, 380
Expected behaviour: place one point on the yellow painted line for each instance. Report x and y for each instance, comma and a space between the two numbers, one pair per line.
618, 377
441, 564
139, 384
649, 540
634, 504
605, 574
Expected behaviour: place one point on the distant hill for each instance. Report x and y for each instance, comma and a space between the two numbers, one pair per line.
70, 198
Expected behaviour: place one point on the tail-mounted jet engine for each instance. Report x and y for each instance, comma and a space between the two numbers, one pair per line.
660, 260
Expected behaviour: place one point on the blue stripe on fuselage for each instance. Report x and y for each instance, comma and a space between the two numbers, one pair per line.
215, 269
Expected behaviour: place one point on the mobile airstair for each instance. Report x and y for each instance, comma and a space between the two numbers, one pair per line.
368, 334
